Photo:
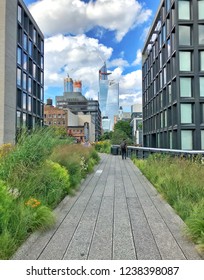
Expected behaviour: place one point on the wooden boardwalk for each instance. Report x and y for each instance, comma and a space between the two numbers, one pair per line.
116, 215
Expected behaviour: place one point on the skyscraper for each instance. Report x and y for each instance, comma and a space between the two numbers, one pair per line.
108, 96
68, 84
21, 70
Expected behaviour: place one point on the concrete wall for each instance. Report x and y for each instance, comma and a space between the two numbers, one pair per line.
88, 119
8, 43
72, 119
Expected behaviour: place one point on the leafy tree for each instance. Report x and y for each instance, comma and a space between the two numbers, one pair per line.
106, 136
118, 136
125, 127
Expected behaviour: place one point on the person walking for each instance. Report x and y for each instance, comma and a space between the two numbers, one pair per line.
123, 147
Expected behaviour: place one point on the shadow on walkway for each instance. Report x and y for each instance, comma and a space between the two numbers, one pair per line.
116, 215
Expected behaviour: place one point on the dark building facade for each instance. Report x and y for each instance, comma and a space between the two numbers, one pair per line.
21, 70
173, 77
30, 70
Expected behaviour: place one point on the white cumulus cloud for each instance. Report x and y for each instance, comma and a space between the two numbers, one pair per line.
77, 17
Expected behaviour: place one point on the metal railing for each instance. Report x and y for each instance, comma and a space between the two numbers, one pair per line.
144, 152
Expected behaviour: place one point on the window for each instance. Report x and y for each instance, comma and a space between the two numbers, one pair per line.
160, 60
201, 82
186, 113
184, 9
42, 46
42, 62
25, 61
29, 104
202, 139
164, 72
18, 121
24, 81
19, 14
41, 77
202, 60
170, 140
163, 33
185, 87
165, 118
19, 56
185, 61
41, 94
184, 35
168, 47
24, 120
29, 85
168, 5
201, 34
161, 120
30, 47
202, 113
34, 36
34, 70
18, 76
169, 93
25, 41
186, 139
24, 101
201, 9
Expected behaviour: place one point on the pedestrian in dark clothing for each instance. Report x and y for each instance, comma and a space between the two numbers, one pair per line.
123, 147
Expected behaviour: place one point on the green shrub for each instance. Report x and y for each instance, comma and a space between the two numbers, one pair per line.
103, 146
35, 176
30, 151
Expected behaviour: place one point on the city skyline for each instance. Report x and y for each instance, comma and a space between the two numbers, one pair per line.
77, 42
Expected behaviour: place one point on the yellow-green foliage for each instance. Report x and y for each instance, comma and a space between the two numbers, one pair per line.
5, 149
103, 146
181, 182
77, 159
35, 176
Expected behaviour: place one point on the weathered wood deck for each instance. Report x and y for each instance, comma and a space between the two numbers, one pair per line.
116, 215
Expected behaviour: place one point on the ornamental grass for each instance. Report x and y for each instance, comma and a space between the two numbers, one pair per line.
181, 182
35, 175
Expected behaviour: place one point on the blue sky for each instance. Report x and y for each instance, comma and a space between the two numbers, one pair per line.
80, 35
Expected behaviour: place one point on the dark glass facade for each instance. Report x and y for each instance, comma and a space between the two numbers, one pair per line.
173, 77
30, 70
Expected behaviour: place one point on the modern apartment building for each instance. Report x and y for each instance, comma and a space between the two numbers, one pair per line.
173, 77
21, 70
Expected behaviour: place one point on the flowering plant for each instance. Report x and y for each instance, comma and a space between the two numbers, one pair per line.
33, 203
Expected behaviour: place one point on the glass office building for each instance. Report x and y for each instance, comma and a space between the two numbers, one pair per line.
173, 77
108, 97
22, 70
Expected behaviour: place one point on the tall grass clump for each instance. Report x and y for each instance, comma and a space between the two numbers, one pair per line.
103, 146
35, 175
30, 187
77, 159
181, 183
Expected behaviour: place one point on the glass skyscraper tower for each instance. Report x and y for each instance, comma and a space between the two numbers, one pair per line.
108, 95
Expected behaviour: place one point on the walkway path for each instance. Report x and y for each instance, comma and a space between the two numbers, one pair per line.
117, 214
